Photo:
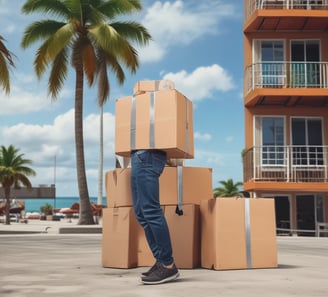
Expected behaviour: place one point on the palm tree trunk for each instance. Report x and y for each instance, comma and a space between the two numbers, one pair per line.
86, 217
7, 211
101, 157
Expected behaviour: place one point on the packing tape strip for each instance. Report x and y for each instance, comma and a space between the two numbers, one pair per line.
152, 120
187, 126
179, 183
157, 84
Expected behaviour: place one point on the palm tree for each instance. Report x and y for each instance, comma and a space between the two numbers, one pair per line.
228, 189
88, 33
14, 172
6, 61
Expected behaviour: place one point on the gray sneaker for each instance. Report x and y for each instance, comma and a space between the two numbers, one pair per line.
150, 270
161, 275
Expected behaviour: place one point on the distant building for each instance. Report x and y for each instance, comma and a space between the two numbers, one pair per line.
42, 191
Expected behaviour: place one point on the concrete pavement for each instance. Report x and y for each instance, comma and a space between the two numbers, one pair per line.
69, 265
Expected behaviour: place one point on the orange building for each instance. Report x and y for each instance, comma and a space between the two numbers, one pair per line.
286, 109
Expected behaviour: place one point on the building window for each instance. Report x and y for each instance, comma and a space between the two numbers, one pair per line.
271, 139
269, 57
305, 66
307, 142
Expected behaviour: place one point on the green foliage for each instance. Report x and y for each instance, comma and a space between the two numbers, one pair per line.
46, 209
92, 37
228, 189
14, 172
6, 62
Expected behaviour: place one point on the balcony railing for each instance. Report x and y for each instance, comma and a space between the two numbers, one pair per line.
286, 75
252, 5
286, 164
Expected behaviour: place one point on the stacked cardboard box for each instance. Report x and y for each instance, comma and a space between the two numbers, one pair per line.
142, 122
222, 233
124, 242
195, 184
238, 233
154, 118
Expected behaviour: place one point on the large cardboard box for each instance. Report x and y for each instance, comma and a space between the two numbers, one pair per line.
143, 86
190, 184
185, 238
238, 233
155, 120
119, 239
118, 187
125, 244
185, 235
144, 255
193, 184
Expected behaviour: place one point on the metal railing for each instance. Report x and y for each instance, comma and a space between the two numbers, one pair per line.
252, 5
286, 75
286, 164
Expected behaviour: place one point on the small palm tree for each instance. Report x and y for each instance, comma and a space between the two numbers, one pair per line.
228, 189
92, 35
6, 61
14, 172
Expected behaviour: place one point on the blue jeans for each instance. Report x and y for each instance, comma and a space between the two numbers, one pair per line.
146, 168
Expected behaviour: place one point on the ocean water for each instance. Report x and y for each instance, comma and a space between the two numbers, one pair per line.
33, 205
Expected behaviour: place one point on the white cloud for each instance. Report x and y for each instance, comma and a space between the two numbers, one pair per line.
3, 9
28, 95
27, 102
181, 23
230, 139
207, 159
224, 165
202, 82
203, 137
43, 143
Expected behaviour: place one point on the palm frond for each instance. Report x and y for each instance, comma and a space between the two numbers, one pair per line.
53, 7
4, 76
6, 62
132, 31
108, 39
113, 8
58, 73
89, 62
228, 189
13, 167
40, 30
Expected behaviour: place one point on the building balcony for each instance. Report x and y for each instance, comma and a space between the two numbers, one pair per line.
282, 15
277, 165
286, 83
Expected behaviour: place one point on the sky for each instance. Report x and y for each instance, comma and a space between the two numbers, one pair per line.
196, 44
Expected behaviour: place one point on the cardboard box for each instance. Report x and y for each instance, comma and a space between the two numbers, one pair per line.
143, 86
144, 255
185, 235
238, 233
125, 244
195, 183
185, 238
155, 120
118, 187
119, 239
